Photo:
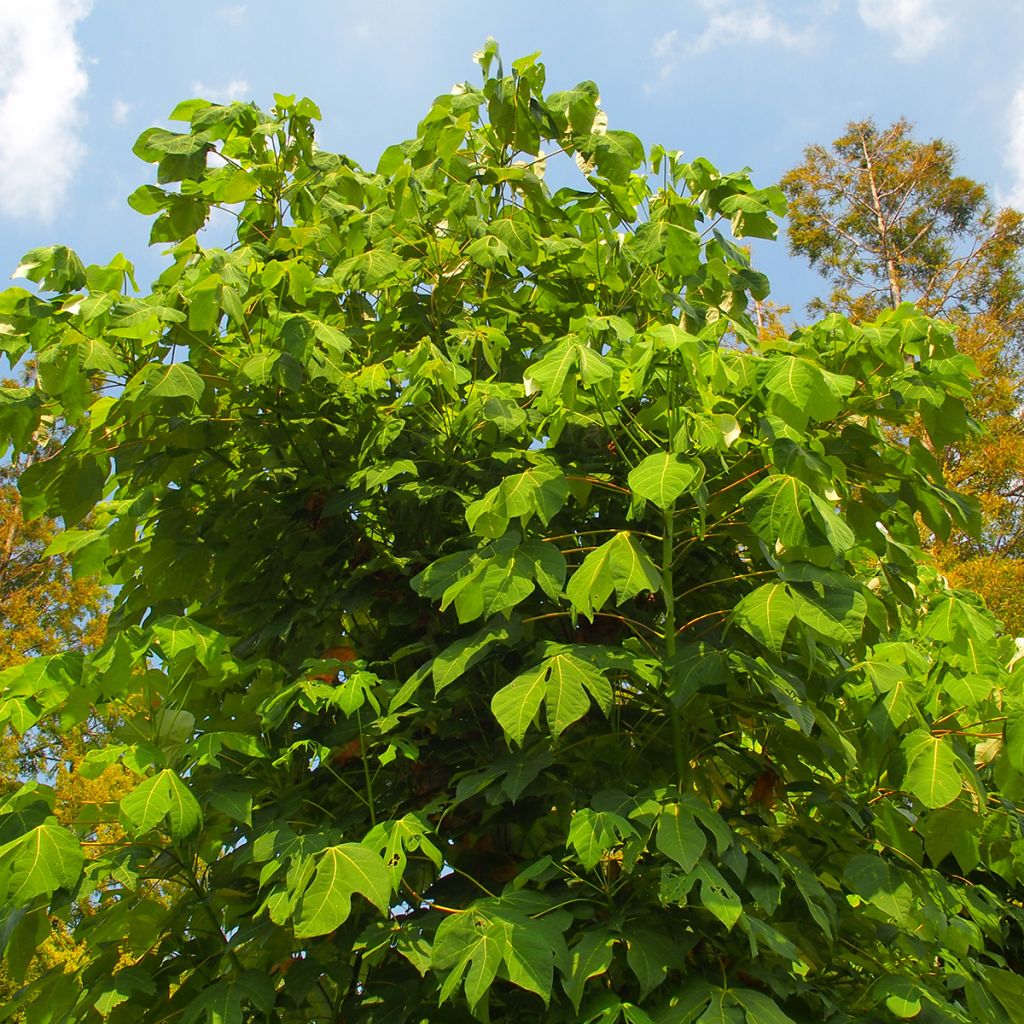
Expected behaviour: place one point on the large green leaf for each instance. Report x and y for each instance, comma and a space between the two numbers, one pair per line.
593, 833
931, 769
661, 478
540, 490
780, 511
766, 614
679, 836
341, 871
161, 796
44, 859
564, 683
620, 565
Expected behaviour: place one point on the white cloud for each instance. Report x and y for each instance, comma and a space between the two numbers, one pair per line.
1015, 150
236, 89
916, 26
728, 24
753, 24
42, 79
233, 14
120, 111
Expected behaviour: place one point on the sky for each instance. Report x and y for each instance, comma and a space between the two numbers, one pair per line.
744, 83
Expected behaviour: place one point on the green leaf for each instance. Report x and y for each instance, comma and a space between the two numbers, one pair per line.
394, 840
204, 305
541, 490
177, 380
902, 996
183, 813
564, 683
779, 511
650, 957
221, 1003
161, 796
931, 773
805, 386
46, 858
457, 658
589, 958
147, 805
661, 478
341, 871
516, 705
679, 836
759, 1008
620, 565
566, 699
766, 614
471, 946
593, 833
717, 895
884, 886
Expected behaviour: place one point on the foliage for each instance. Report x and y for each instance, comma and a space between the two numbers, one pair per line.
45, 609
520, 637
885, 218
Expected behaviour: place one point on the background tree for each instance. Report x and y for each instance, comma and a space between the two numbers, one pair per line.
521, 638
886, 219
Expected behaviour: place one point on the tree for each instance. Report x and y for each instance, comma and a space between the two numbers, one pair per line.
46, 609
885, 218
520, 637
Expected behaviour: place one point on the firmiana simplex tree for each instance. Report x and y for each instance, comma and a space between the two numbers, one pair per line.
516, 637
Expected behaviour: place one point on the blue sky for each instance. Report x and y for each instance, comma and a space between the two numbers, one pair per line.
742, 82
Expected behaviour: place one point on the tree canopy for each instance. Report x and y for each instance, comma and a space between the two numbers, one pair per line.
519, 636
886, 218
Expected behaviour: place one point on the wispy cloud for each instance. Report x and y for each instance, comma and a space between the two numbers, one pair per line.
236, 89
42, 79
1015, 150
233, 14
120, 111
915, 26
750, 24
729, 24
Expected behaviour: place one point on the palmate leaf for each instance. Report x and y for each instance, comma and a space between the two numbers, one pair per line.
540, 490
157, 380
44, 859
341, 871
471, 947
620, 565
805, 385
394, 840
661, 478
222, 1002
161, 796
564, 683
593, 833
